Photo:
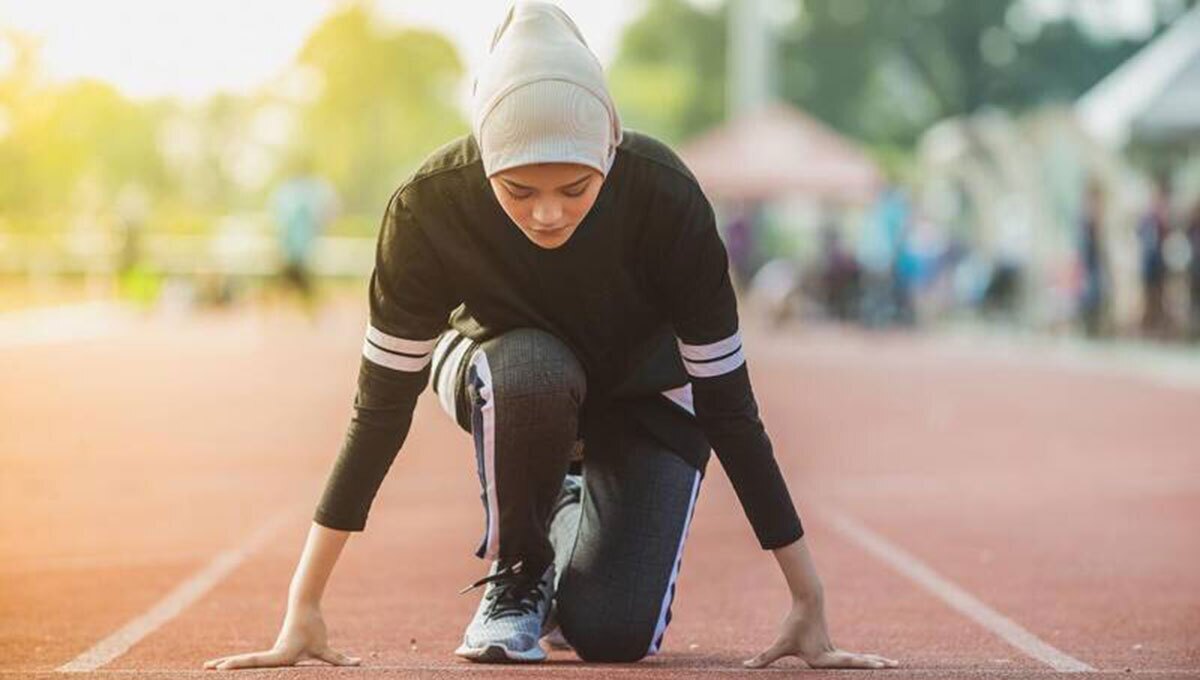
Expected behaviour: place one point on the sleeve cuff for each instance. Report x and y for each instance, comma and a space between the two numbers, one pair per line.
340, 524
774, 542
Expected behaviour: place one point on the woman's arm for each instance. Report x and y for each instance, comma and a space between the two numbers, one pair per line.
302, 634
321, 552
692, 280
804, 632
409, 301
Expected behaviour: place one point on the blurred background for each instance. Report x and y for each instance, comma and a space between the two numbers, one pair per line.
1024, 165
965, 233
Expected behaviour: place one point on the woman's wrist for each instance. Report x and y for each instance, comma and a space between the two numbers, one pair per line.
321, 551
299, 601
305, 590
813, 595
800, 573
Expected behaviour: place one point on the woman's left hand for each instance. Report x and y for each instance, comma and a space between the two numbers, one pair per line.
805, 635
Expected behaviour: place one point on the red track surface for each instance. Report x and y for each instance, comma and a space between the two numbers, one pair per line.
1069, 502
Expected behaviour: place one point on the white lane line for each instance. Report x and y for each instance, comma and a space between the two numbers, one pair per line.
175, 602
80, 562
962, 601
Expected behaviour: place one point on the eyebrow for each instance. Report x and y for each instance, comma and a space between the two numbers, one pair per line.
518, 185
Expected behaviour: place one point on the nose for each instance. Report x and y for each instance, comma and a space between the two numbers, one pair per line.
547, 214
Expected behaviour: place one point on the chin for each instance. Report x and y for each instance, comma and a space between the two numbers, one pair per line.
552, 241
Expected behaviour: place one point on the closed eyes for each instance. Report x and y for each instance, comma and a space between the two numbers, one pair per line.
575, 194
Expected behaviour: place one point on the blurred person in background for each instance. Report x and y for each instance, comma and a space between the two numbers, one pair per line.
740, 244
1002, 293
1193, 238
886, 295
1093, 296
1008, 260
136, 280
1152, 231
560, 284
303, 206
839, 271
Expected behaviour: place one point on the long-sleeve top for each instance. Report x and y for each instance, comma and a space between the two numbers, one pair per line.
640, 292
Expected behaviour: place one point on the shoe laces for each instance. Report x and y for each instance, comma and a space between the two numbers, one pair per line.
512, 593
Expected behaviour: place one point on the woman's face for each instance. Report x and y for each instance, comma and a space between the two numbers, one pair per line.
547, 200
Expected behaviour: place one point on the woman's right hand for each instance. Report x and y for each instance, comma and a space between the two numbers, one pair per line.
302, 636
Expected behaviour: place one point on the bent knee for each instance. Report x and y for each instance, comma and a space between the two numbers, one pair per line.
611, 639
614, 645
528, 361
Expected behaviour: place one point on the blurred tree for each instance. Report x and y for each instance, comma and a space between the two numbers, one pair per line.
386, 99
886, 71
203, 143
56, 139
17, 70
383, 99
669, 74
880, 71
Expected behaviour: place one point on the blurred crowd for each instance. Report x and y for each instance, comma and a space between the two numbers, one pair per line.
895, 269
890, 164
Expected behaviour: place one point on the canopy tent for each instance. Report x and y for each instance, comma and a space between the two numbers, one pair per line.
778, 151
1154, 97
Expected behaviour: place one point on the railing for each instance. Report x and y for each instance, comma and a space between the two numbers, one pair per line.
233, 252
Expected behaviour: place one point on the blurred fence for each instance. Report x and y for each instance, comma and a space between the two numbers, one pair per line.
237, 248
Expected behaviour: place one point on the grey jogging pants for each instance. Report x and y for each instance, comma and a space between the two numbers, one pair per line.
618, 550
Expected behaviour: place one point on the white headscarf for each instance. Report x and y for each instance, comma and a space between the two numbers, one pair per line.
541, 96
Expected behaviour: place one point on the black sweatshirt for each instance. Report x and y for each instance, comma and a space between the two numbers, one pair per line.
640, 292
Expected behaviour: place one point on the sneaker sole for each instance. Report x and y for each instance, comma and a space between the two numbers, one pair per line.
500, 654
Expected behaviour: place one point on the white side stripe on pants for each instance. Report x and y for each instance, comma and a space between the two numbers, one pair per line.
669, 592
445, 369
488, 409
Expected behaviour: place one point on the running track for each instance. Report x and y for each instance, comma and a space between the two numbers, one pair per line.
972, 513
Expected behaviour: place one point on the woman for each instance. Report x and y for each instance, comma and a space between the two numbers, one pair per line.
1093, 299
592, 352
1193, 239
1152, 231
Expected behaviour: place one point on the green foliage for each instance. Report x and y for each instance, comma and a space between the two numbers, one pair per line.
668, 76
886, 73
65, 144
386, 100
881, 71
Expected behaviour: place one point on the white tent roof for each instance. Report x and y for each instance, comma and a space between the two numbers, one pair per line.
779, 151
1155, 95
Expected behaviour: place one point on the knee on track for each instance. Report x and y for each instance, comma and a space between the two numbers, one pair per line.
611, 640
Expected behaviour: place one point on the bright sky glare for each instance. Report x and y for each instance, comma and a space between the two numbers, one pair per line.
193, 48
190, 50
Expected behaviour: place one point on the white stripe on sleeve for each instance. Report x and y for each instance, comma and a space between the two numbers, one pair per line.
716, 358
398, 354
712, 350
397, 344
